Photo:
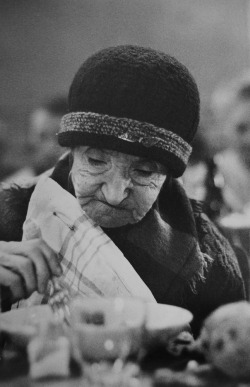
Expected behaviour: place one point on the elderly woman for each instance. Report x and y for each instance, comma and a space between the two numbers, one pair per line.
133, 113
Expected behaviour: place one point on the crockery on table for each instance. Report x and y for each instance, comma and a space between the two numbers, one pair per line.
107, 328
102, 329
165, 322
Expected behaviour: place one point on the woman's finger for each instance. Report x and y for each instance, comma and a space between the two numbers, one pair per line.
14, 282
52, 259
43, 273
32, 251
22, 266
33, 248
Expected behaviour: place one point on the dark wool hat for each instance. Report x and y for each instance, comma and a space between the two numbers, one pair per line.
134, 100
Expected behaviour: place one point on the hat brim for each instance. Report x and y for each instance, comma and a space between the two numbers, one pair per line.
72, 139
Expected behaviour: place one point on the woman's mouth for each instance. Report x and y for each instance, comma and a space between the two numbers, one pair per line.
111, 205
86, 200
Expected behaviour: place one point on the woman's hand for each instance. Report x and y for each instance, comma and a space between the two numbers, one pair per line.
27, 266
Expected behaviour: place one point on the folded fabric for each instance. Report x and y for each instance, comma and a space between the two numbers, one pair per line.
92, 264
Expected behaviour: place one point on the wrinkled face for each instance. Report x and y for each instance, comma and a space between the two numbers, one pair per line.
239, 129
114, 188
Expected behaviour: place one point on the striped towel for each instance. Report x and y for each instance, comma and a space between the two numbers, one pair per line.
92, 264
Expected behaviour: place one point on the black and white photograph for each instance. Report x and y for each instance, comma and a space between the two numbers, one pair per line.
125, 193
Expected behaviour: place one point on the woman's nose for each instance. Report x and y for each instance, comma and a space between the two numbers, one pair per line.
116, 188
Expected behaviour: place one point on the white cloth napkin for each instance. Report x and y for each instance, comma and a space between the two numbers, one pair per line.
92, 264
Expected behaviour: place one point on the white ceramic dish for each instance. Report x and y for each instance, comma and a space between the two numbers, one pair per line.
236, 221
123, 325
106, 328
105, 340
165, 321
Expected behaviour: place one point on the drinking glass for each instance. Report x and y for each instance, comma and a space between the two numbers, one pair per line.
129, 318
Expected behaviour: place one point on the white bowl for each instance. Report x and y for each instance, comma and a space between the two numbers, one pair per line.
121, 328
115, 327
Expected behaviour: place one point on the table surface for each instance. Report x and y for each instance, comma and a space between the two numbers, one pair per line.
158, 370
14, 372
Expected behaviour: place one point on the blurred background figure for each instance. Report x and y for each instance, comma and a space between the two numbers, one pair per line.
195, 174
231, 106
42, 142
6, 164
41, 149
219, 169
202, 180
232, 112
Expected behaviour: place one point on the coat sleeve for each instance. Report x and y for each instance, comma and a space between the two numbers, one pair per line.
14, 202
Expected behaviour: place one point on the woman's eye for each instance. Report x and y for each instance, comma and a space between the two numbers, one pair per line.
144, 172
96, 162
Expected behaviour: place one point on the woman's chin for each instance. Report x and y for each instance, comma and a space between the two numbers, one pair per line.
109, 217
113, 222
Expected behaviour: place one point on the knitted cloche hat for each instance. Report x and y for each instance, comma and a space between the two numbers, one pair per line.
135, 100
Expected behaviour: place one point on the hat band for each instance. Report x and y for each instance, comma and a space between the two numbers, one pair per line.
127, 129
